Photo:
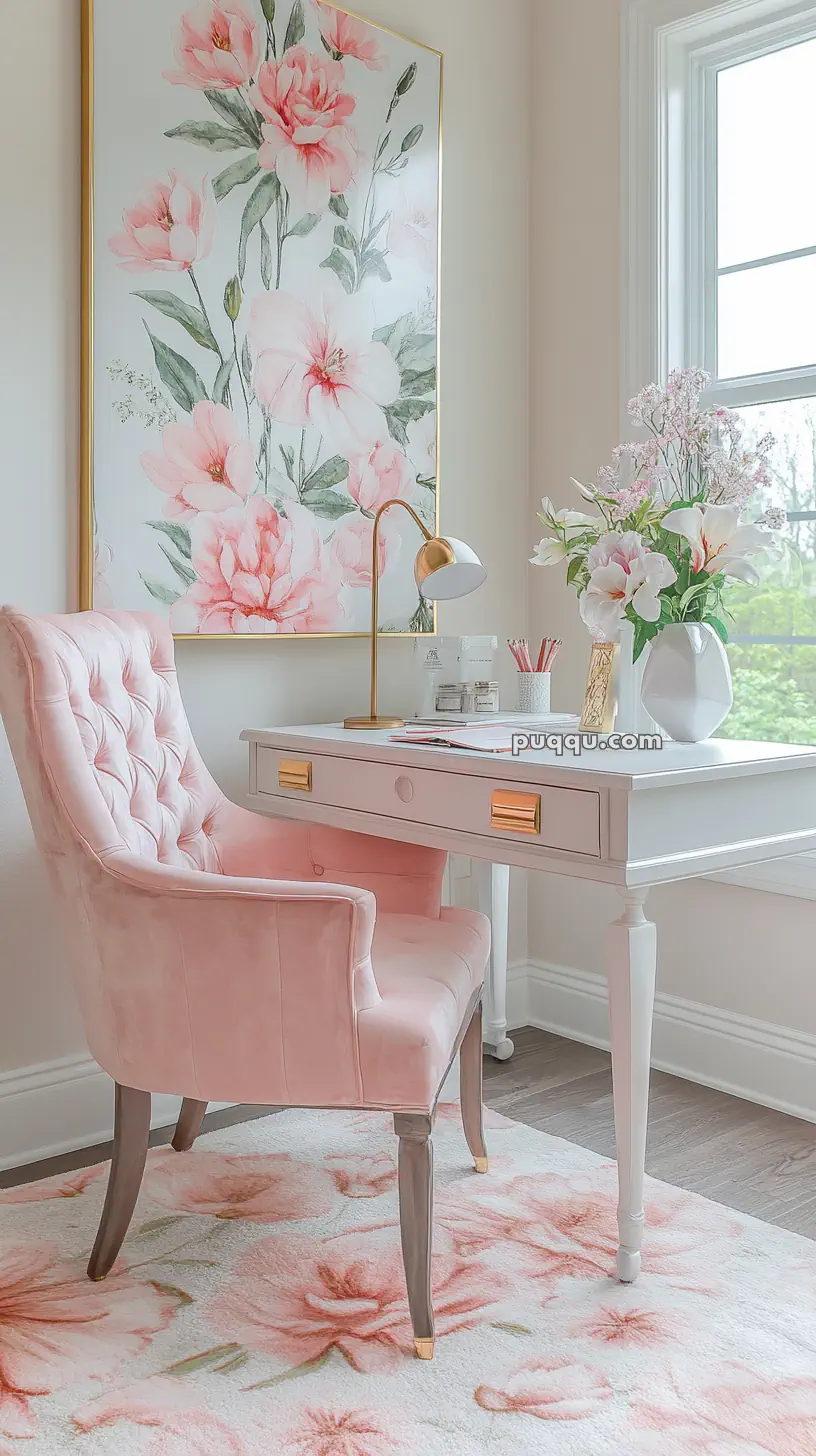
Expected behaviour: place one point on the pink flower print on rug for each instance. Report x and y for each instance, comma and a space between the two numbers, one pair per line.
298, 1298
269, 1189
56, 1327
66, 1185
551, 1389
732, 1411
366, 1175
347, 1433
184, 1426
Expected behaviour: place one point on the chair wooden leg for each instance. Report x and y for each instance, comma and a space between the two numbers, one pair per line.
470, 1090
416, 1214
130, 1138
189, 1124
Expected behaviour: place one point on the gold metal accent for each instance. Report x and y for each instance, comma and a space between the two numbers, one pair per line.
480, 1164
295, 773
86, 388
516, 813
373, 720
424, 1349
598, 713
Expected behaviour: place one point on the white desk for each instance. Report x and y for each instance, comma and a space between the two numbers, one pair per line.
631, 820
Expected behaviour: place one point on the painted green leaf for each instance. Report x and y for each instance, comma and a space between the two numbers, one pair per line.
373, 261
156, 1225
264, 196
159, 591
418, 381
340, 265
268, 8
233, 176
209, 134
296, 29
344, 238
330, 473
338, 205
266, 259
180, 537
394, 335
383, 144
327, 504
305, 225
204, 1361
231, 107
191, 319
222, 380
423, 618
233, 298
408, 410
178, 374
404, 85
417, 351
185, 574
236, 1363
413, 136
510, 1329
246, 362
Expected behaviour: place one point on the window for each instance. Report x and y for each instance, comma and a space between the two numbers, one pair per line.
720, 271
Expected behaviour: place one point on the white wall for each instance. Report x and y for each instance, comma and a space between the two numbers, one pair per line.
484, 446
739, 950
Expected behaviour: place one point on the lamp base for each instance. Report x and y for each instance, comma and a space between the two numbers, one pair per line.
377, 722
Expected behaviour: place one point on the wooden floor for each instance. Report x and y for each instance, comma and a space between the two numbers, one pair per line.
747, 1157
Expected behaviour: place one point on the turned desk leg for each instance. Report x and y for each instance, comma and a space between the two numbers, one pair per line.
631, 968
494, 898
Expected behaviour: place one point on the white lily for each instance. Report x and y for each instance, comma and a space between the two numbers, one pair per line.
572, 523
583, 490
623, 571
718, 542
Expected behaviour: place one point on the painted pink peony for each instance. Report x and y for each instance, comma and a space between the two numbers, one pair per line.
70, 1185
57, 1328
551, 1389
306, 136
381, 474
259, 571
206, 466
347, 1433
323, 368
413, 232
348, 36
169, 230
363, 1175
218, 47
297, 1298
352, 549
264, 1189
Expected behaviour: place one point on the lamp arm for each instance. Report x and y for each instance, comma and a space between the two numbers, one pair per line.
375, 585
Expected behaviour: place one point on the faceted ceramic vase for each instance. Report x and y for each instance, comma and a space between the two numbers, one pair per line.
687, 683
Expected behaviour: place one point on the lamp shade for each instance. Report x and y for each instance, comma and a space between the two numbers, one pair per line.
446, 569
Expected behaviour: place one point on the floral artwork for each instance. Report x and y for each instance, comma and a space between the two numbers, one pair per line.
266, 223
259, 1307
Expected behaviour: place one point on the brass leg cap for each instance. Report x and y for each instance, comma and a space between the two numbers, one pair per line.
424, 1349
480, 1164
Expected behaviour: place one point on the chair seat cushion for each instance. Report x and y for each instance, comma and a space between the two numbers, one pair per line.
427, 971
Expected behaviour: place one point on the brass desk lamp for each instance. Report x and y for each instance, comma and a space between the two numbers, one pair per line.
444, 569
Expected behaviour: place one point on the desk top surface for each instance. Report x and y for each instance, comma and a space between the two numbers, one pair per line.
675, 763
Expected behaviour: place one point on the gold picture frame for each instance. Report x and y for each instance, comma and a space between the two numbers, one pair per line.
87, 314
598, 712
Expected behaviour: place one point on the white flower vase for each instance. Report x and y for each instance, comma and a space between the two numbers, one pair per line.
687, 685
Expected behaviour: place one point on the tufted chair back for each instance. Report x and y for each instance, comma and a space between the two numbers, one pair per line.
106, 751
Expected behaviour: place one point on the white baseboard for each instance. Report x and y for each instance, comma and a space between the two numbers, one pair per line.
770, 1065
60, 1106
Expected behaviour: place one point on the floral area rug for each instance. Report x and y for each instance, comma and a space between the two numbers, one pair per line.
259, 1307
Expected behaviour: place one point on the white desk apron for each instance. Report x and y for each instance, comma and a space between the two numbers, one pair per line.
631, 820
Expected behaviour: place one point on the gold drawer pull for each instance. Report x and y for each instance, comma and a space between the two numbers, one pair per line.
516, 813
294, 773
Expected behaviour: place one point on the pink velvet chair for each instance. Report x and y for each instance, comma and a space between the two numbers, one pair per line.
222, 956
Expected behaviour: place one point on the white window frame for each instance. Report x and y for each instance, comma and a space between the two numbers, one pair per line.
671, 52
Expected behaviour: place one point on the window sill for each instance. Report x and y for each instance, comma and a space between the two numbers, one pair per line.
795, 878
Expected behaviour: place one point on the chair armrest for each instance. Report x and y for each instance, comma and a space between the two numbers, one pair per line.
230, 988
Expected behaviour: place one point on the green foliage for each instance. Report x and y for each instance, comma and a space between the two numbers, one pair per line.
770, 705
191, 319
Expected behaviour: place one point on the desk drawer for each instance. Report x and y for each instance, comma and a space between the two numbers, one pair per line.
568, 819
